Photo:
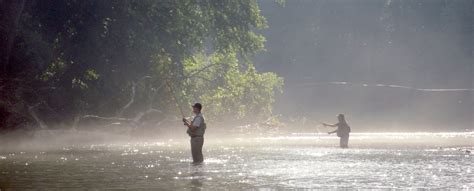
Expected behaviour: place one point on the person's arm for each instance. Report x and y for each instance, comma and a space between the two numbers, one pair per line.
329, 125
189, 124
192, 127
186, 121
331, 132
194, 124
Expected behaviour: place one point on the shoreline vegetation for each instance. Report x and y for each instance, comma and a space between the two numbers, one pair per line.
72, 63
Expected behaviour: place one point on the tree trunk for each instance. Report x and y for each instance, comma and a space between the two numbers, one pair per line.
11, 13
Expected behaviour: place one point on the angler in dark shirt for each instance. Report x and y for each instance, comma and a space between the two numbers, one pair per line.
342, 131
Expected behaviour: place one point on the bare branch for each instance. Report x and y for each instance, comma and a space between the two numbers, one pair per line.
141, 114
132, 97
106, 118
196, 72
32, 112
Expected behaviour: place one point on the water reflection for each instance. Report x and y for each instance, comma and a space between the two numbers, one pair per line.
424, 161
196, 179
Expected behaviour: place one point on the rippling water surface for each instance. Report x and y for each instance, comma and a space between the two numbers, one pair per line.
374, 160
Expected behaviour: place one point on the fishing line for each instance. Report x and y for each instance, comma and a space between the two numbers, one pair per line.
174, 98
390, 86
319, 132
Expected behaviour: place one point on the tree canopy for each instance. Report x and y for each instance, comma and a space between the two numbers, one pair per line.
63, 60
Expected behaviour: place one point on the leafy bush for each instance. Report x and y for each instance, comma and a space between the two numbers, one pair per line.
230, 90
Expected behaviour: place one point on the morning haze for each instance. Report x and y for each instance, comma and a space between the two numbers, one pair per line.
236, 94
416, 44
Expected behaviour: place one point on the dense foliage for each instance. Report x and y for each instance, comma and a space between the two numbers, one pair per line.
63, 61
229, 92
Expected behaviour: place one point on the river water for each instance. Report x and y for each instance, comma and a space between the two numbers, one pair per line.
289, 161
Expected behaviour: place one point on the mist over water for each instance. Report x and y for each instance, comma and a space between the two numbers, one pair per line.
295, 160
396, 65
92, 94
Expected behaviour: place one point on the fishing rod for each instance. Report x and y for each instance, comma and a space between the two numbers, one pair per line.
319, 132
321, 124
174, 98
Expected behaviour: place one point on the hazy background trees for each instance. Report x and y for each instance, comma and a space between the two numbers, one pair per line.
414, 43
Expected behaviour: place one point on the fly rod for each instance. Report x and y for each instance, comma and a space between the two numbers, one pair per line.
174, 98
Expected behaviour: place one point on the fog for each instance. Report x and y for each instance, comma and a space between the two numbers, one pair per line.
388, 65
102, 95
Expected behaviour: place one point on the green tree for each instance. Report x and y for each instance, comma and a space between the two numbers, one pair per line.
229, 90
111, 58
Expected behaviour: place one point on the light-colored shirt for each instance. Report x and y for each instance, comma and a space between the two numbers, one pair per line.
199, 122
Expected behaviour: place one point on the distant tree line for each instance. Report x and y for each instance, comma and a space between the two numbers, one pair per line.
64, 61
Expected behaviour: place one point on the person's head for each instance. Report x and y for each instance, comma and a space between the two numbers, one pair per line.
197, 108
340, 118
